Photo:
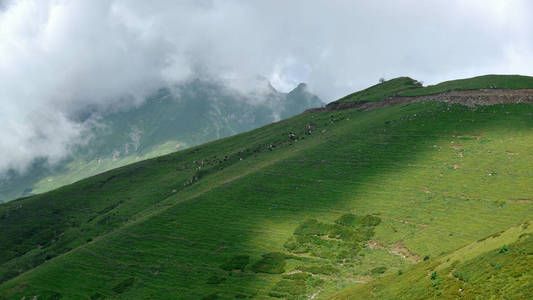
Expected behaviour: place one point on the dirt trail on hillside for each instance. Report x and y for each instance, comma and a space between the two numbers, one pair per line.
468, 98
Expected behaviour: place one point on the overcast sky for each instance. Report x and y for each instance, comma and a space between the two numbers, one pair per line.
58, 56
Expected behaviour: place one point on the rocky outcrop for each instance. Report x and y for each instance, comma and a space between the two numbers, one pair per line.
468, 98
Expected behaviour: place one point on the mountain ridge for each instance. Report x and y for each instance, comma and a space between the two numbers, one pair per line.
197, 112
300, 208
469, 98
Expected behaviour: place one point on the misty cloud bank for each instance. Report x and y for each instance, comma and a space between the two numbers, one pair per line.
58, 57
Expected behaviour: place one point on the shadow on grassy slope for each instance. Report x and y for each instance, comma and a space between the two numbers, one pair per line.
352, 161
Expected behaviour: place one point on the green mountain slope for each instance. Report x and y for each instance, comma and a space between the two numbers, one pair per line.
301, 208
196, 112
497, 267
405, 86
479, 82
382, 90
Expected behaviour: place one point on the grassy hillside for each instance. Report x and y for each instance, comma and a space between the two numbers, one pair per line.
302, 208
382, 90
480, 82
498, 266
405, 86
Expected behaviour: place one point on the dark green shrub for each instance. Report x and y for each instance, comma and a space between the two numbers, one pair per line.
503, 249
349, 220
312, 227
433, 276
370, 221
358, 221
378, 270
273, 263
426, 257
288, 289
349, 235
291, 244
238, 262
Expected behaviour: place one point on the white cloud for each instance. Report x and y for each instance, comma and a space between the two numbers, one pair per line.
58, 56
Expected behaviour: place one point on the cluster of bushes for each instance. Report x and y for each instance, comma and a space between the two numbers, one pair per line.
272, 263
358, 221
337, 241
289, 289
378, 270
294, 286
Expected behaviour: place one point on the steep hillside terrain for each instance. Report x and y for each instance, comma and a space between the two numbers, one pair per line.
469, 98
170, 120
498, 266
299, 209
479, 82
406, 87
383, 90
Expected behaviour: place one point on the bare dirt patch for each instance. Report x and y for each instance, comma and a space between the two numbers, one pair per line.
373, 244
401, 250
